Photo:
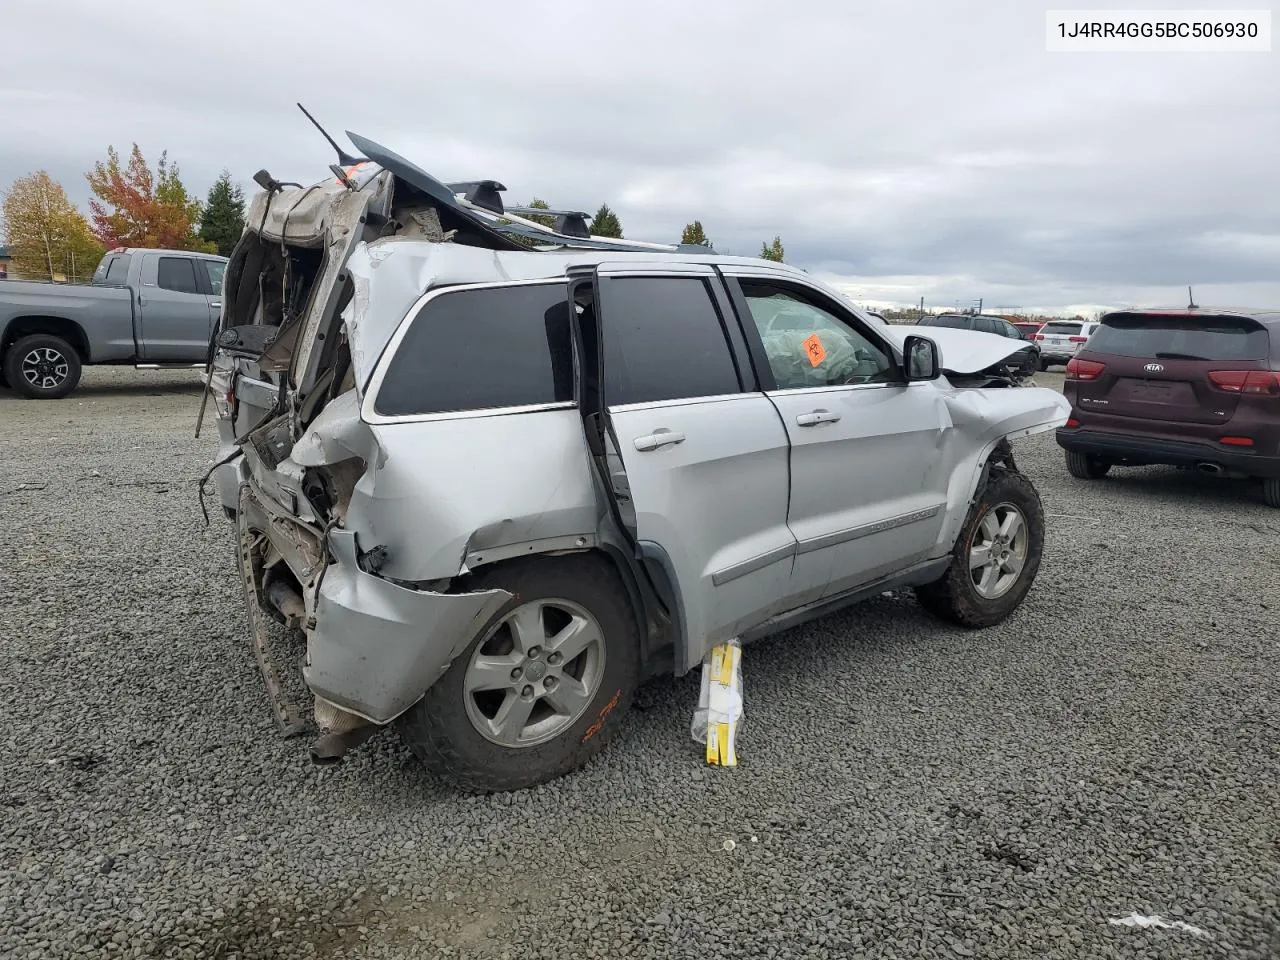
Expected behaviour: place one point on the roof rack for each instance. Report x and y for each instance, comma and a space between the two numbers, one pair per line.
484, 197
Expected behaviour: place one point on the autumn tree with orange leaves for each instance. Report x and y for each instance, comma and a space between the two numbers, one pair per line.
136, 207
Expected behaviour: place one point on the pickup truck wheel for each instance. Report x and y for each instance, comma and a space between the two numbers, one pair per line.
541, 689
1084, 467
42, 367
996, 556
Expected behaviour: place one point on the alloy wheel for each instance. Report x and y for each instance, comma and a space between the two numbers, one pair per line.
535, 673
44, 368
999, 551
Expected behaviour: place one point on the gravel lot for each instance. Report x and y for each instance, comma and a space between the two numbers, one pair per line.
905, 790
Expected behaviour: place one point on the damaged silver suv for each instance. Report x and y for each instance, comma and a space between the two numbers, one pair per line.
494, 475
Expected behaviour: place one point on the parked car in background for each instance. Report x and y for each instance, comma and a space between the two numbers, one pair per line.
1193, 388
987, 324
149, 308
503, 617
1028, 328
1060, 340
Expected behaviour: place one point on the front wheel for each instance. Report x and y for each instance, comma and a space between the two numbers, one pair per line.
543, 687
42, 367
995, 558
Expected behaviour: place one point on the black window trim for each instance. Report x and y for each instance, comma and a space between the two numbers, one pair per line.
755, 343
368, 409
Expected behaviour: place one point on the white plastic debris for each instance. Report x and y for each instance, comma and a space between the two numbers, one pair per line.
730, 845
1138, 920
715, 721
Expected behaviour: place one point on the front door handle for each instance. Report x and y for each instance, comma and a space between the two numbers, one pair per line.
815, 417
216, 303
661, 437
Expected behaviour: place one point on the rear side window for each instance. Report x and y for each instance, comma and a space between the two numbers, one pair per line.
117, 270
663, 340
482, 349
177, 274
1181, 338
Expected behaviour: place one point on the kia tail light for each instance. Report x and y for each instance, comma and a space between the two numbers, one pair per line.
1078, 369
1247, 382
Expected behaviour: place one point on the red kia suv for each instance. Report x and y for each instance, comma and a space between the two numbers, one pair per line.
1187, 387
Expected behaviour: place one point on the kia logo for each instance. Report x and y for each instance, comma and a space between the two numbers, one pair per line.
1154, 368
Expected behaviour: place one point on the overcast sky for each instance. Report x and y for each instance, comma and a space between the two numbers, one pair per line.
901, 149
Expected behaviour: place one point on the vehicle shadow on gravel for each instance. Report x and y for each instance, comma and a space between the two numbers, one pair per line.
1143, 484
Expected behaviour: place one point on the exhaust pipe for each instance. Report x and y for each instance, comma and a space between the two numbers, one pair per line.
332, 747
286, 600
1210, 468
341, 731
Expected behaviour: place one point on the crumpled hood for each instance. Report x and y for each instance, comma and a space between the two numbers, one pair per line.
963, 351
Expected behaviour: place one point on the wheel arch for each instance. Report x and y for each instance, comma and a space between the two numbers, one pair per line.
31, 324
652, 619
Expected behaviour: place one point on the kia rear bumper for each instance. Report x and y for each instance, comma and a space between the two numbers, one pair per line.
1134, 451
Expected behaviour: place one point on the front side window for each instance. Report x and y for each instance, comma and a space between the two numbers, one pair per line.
808, 345
483, 348
216, 269
663, 340
177, 274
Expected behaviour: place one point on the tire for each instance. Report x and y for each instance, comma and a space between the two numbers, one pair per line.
1271, 492
42, 367
1082, 466
444, 729
955, 596
1044, 365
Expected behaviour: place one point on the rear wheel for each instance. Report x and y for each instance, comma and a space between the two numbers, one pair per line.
1271, 491
543, 687
995, 558
42, 367
1085, 467
1044, 365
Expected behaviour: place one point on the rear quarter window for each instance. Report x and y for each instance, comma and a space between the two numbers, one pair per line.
1215, 338
482, 349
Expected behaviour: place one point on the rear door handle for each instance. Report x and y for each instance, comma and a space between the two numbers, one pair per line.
661, 437
815, 417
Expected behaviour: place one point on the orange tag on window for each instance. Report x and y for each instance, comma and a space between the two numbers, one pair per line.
814, 348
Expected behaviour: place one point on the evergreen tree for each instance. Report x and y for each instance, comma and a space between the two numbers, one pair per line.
772, 251
693, 233
222, 220
606, 223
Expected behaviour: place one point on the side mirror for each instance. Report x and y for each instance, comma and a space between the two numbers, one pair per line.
921, 359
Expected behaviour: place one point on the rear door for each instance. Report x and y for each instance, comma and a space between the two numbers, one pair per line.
174, 309
699, 455
869, 460
1163, 367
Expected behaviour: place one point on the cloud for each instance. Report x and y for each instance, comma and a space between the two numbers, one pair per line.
910, 148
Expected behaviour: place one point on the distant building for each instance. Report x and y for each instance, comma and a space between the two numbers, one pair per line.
4, 263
